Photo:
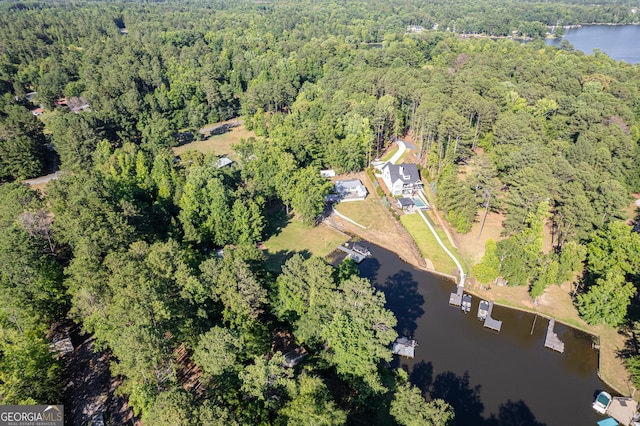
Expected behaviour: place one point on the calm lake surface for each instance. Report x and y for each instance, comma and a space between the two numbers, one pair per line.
491, 379
621, 42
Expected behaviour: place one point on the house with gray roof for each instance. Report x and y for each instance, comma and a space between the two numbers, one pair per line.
401, 179
348, 190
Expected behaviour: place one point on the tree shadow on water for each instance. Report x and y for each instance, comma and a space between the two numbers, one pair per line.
401, 291
514, 414
369, 269
464, 399
422, 376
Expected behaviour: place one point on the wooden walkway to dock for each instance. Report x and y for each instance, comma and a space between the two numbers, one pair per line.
552, 341
490, 322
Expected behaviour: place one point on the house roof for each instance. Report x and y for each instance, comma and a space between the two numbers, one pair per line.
349, 186
405, 172
223, 161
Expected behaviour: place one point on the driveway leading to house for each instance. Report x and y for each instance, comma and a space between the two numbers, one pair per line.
402, 147
42, 179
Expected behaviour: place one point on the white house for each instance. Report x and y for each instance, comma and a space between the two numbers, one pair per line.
401, 179
349, 190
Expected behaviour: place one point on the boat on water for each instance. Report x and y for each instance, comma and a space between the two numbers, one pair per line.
466, 303
483, 310
602, 402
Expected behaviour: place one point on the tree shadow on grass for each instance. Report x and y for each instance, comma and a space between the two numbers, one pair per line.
276, 220
274, 261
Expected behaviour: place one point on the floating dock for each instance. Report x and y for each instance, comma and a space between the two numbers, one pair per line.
456, 298
404, 346
552, 341
483, 310
489, 322
358, 253
466, 303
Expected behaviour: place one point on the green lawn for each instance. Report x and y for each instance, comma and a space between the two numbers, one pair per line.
291, 236
218, 144
428, 244
365, 212
386, 157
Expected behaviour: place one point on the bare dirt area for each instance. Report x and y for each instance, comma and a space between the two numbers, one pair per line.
90, 388
470, 246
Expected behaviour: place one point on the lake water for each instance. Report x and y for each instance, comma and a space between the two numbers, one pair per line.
621, 42
491, 379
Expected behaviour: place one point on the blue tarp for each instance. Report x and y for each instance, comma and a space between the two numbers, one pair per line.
608, 422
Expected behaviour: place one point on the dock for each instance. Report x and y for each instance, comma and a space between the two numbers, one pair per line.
624, 410
358, 253
456, 298
489, 322
405, 347
552, 341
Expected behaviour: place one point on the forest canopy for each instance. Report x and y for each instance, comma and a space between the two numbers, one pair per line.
154, 254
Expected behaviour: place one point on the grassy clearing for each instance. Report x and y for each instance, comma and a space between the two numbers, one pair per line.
367, 212
218, 144
427, 243
292, 236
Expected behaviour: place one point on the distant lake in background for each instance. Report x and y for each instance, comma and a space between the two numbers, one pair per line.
620, 42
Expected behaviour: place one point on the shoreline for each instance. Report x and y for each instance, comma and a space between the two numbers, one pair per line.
516, 306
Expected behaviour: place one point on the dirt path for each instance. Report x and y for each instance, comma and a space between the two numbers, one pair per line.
89, 387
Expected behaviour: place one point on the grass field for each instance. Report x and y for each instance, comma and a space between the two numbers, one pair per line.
428, 244
220, 144
366, 212
290, 236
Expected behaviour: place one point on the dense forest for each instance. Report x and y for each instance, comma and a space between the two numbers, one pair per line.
151, 253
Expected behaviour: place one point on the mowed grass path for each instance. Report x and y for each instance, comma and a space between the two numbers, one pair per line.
291, 236
366, 212
428, 245
218, 144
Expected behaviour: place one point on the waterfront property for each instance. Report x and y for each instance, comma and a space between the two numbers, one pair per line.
490, 374
401, 179
405, 347
348, 190
356, 252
